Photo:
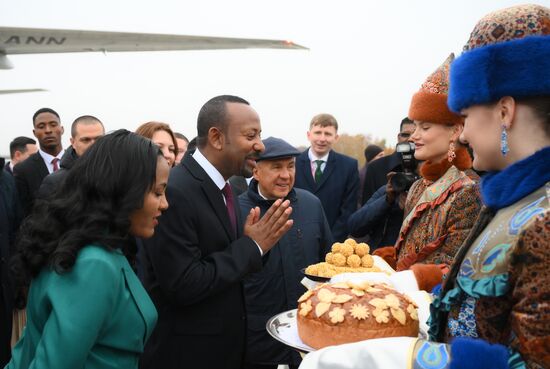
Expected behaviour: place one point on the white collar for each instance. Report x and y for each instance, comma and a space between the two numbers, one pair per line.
260, 193
48, 158
211, 170
312, 157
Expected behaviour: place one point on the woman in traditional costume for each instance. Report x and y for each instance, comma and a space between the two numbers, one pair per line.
442, 206
493, 310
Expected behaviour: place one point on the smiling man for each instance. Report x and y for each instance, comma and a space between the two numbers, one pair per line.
30, 173
276, 287
332, 177
202, 250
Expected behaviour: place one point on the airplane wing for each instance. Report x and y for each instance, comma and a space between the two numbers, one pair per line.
36, 41
21, 90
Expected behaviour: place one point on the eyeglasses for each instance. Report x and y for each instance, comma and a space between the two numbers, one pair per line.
404, 134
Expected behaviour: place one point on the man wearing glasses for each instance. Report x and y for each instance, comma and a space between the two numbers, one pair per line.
375, 176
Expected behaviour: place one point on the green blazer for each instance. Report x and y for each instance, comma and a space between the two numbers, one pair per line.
97, 315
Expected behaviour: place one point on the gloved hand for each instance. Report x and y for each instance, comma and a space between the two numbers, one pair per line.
429, 275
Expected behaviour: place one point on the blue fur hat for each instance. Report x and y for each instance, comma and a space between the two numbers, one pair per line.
508, 54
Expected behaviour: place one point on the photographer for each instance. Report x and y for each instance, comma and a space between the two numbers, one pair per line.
377, 171
443, 205
381, 216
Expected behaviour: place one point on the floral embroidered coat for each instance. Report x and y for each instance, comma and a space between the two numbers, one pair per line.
439, 217
501, 293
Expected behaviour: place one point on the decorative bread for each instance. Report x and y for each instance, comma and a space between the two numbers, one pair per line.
347, 257
345, 312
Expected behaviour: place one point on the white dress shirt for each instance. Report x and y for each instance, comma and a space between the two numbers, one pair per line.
48, 159
217, 178
312, 158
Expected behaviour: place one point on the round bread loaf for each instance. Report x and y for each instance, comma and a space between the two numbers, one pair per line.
333, 314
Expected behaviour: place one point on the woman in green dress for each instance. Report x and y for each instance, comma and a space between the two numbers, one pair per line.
85, 306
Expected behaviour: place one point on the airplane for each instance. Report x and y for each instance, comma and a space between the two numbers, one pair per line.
16, 40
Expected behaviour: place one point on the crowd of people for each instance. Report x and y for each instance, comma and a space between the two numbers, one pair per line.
146, 250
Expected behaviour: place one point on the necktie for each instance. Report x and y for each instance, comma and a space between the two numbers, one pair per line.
228, 194
55, 166
318, 171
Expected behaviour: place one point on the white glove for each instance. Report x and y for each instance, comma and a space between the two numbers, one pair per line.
380, 353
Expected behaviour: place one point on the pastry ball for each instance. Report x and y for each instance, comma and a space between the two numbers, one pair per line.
339, 259
362, 249
328, 257
336, 247
346, 249
354, 261
351, 241
313, 269
367, 261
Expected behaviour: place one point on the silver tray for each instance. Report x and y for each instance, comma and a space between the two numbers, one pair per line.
284, 328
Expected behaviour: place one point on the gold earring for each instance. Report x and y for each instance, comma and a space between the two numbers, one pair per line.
451, 155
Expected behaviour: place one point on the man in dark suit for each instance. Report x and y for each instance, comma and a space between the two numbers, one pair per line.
277, 286
85, 131
376, 173
332, 177
195, 263
20, 149
30, 173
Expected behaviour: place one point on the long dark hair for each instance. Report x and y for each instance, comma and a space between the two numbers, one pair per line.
93, 205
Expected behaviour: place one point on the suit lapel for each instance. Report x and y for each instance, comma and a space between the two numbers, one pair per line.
43, 169
141, 299
213, 194
305, 169
329, 168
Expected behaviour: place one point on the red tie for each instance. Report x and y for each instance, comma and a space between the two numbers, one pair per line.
228, 194
55, 166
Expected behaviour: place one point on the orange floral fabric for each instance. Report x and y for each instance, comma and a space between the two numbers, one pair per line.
437, 229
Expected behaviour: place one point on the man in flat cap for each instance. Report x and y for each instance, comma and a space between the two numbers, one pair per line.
276, 288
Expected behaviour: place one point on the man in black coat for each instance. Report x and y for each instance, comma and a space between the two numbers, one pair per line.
195, 263
20, 149
376, 172
85, 131
9, 222
30, 173
332, 177
276, 288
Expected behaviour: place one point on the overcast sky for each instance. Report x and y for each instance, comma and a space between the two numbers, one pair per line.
366, 60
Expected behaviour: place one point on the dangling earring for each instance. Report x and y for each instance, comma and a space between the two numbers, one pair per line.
504, 141
451, 155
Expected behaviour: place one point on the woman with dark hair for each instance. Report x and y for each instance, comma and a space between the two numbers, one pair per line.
85, 306
493, 309
163, 137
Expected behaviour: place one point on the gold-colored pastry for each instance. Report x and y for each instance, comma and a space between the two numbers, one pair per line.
347, 312
305, 296
367, 261
336, 247
359, 312
322, 308
340, 299
354, 261
362, 249
339, 259
337, 315
347, 257
347, 249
